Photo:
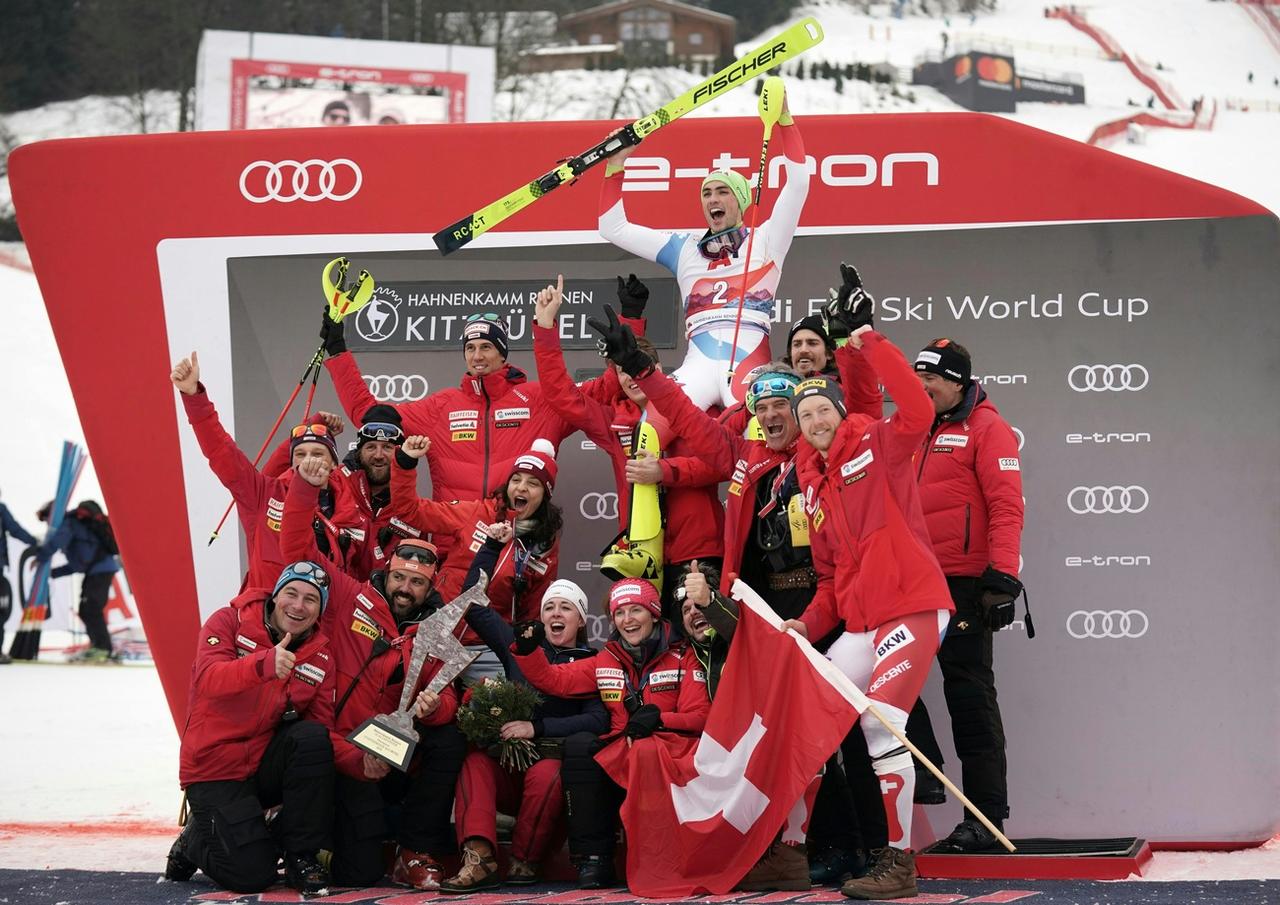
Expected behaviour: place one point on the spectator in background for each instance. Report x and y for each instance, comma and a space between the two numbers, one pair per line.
336, 113
85, 539
8, 525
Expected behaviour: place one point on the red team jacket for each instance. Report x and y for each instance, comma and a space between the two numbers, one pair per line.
464, 521
864, 509
673, 680
741, 461
694, 516
235, 701
357, 616
971, 489
260, 499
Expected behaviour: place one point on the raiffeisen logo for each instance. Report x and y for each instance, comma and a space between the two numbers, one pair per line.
655, 174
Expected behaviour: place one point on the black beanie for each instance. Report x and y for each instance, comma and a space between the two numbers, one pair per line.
818, 386
812, 322
942, 358
379, 413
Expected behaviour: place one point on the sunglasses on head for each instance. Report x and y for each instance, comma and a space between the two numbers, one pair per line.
321, 430
487, 316
380, 430
416, 554
311, 569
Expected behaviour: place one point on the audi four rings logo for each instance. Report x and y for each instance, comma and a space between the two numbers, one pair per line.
599, 506
396, 387
1107, 500
291, 180
1101, 378
1107, 624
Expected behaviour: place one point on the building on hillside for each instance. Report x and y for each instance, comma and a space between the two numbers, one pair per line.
639, 32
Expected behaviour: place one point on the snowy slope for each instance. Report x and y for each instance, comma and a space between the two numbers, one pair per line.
1205, 48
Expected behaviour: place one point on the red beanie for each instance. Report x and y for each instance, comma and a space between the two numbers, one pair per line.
635, 591
539, 462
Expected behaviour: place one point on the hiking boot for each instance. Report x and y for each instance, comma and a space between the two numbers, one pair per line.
304, 872
479, 870
892, 876
835, 865
929, 789
417, 869
782, 866
968, 836
522, 873
179, 867
596, 872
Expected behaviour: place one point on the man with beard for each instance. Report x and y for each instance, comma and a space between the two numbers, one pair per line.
372, 625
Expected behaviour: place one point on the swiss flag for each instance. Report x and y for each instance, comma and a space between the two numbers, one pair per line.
697, 823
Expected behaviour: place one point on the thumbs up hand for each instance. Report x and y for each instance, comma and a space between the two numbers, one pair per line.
283, 657
696, 588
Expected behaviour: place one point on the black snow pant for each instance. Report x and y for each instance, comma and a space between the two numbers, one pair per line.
424, 797
592, 799
94, 591
226, 834
969, 685
834, 822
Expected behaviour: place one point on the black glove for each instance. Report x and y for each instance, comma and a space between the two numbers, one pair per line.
645, 719
632, 296
333, 333
529, 637
1000, 593
618, 344
850, 305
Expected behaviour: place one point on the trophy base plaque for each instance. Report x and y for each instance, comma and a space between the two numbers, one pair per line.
386, 738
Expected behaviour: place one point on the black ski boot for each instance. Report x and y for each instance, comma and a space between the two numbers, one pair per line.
306, 874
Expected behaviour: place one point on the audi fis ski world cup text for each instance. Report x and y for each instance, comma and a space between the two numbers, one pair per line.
985, 307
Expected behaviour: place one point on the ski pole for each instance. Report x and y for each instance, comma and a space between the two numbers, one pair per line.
771, 100
312, 366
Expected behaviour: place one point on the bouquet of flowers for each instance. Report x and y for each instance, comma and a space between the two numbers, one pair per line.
492, 704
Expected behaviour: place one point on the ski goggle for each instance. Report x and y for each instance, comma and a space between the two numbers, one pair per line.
487, 317
380, 430
767, 386
727, 242
416, 554
310, 569
320, 430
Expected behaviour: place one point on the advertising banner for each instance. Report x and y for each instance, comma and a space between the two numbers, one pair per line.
1123, 319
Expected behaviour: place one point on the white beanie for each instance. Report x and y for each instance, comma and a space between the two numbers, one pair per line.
565, 589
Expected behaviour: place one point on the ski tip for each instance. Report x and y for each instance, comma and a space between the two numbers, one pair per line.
812, 29
451, 238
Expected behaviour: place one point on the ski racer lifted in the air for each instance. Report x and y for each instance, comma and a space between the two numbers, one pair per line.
712, 269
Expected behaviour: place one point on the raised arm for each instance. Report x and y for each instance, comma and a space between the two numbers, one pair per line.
786, 210
641, 241
231, 466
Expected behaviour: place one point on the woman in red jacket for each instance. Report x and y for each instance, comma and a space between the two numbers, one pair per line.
876, 573
527, 564
648, 684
